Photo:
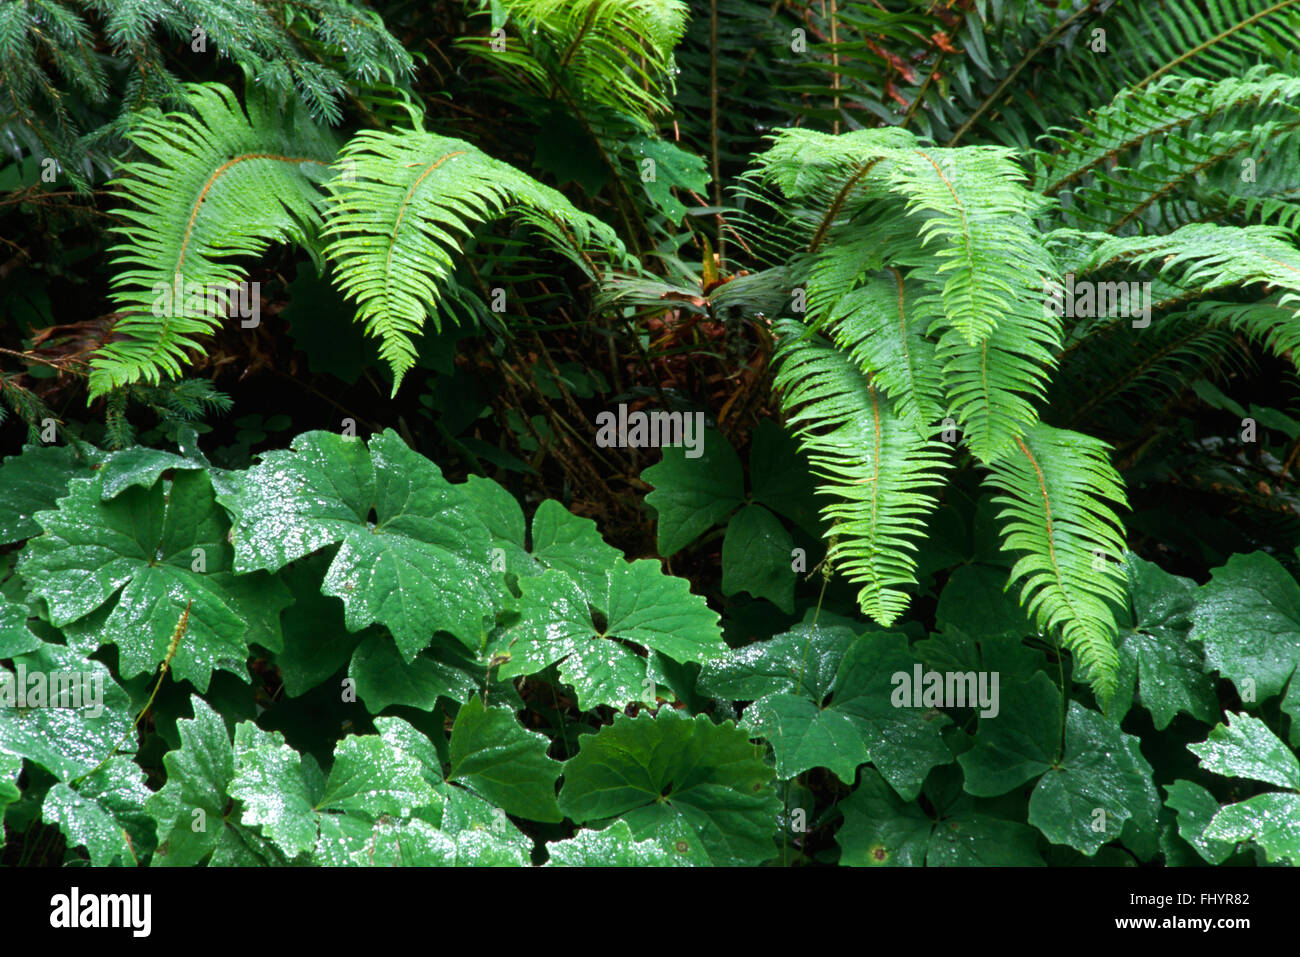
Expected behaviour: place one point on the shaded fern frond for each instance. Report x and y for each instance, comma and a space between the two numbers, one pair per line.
400, 212
216, 184
74, 73
613, 54
1116, 365
1214, 39
1138, 156
1060, 492
1263, 188
877, 468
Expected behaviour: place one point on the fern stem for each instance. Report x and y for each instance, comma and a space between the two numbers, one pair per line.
1065, 703
1015, 72
833, 212
181, 627
1179, 60
714, 146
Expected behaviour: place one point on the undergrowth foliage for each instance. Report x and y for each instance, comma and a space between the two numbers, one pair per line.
410, 607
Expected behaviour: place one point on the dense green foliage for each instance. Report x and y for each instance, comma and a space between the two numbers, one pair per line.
978, 322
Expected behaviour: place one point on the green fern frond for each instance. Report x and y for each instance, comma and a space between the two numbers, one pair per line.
881, 323
217, 184
961, 223
1263, 188
1060, 492
875, 465
992, 387
1202, 257
978, 219
1217, 38
1138, 157
614, 54
400, 211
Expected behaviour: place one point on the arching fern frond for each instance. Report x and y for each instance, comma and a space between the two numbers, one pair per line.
877, 468
1202, 257
217, 184
1263, 188
1214, 255
402, 209
977, 218
882, 324
960, 223
1060, 492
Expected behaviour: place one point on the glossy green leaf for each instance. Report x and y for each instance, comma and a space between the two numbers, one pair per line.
573, 545
1101, 783
1270, 820
639, 604
194, 818
668, 165
66, 741
1196, 807
15, 637
1018, 745
102, 812
34, 480
823, 698
882, 830
756, 557
1084, 797
270, 785
1247, 618
903, 743
671, 772
158, 550
370, 782
317, 643
613, 847
804, 736
423, 565
691, 495
495, 756
383, 678
801, 660
141, 467
10, 767
1167, 667
1246, 748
